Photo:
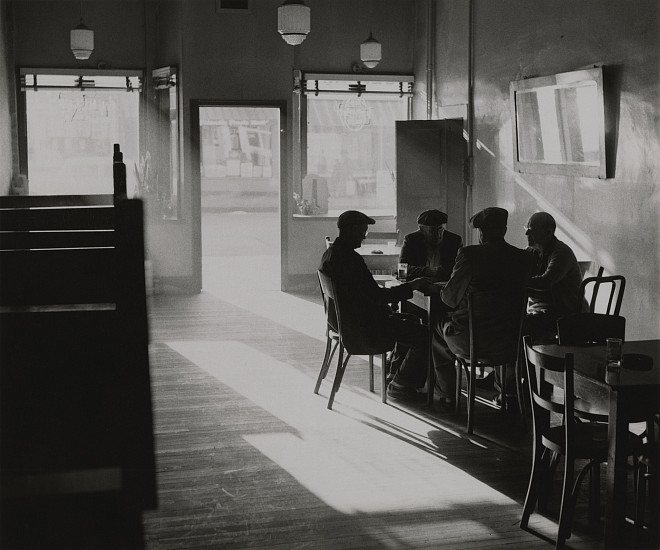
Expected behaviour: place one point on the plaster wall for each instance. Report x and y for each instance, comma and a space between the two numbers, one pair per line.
613, 222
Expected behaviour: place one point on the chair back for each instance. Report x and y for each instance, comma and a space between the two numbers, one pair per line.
606, 293
541, 398
590, 328
355, 336
495, 320
328, 303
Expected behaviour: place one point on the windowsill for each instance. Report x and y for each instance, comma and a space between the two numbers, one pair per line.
334, 214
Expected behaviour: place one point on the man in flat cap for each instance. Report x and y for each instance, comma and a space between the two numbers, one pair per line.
366, 304
556, 277
431, 250
493, 264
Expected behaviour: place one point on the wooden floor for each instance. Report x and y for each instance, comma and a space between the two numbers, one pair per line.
249, 457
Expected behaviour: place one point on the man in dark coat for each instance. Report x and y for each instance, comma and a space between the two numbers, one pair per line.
367, 313
556, 278
431, 250
493, 264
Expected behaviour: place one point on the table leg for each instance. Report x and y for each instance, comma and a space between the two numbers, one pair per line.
616, 468
430, 377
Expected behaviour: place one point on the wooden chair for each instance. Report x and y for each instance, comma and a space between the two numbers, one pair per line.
494, 316
351, 342
646, 483
599, 286
332, 340
571, 439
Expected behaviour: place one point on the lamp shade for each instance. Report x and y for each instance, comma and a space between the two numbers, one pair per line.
82, 41
370, 52
293, 21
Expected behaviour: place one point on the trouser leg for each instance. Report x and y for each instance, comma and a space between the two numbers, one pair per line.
410, 334
401, 349
443, 363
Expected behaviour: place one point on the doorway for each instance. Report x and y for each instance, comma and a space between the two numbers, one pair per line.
240, 197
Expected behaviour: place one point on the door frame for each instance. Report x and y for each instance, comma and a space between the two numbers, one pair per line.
196, 195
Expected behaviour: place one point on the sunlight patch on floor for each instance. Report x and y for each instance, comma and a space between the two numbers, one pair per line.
253, 283
399, 469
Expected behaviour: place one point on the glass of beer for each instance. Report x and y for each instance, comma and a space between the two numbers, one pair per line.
402, 272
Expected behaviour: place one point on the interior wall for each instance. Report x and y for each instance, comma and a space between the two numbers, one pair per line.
242, 57
6, 107
613, 222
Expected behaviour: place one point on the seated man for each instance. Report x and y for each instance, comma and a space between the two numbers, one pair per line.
368, 303
556, 277
431, 250
491, 265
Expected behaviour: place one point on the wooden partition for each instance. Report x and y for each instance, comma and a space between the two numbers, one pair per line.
76, 422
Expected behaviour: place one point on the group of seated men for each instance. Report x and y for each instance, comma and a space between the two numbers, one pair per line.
547, 269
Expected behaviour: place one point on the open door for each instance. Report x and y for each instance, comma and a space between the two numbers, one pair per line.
430, 156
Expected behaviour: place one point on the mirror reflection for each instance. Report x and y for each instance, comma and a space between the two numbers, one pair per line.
559, 124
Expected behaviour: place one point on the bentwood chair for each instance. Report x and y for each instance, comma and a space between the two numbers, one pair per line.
599, 287
571, 439
352, 340
495, 320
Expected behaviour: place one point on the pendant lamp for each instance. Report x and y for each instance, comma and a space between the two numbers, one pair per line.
293, 21
370, 52
82, 39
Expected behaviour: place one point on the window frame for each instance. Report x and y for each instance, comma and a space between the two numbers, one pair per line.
308, 83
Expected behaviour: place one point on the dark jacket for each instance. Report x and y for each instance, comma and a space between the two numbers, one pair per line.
414, 253
365, 310
492, 266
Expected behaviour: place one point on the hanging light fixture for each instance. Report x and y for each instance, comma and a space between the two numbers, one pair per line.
293, 21
370, 52
82, 39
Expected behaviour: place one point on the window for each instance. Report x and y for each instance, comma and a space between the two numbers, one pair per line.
73, 120
350, 138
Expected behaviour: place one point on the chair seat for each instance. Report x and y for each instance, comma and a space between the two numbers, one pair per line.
590, 440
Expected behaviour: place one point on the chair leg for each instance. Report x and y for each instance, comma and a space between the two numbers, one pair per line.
504, 401
471, 397
327, 359
566, 511
371, 373
341, 367
459, 383
594, 493
383, 378
520, 391
533, 487
640, 501
594, 468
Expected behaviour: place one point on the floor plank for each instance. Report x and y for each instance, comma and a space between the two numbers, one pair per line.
249, 457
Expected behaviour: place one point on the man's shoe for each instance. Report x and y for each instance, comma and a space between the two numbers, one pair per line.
404, 393
511, 402
444, 403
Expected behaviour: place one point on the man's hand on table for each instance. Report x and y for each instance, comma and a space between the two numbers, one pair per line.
425, 285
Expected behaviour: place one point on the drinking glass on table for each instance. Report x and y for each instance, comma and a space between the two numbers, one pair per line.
402, 272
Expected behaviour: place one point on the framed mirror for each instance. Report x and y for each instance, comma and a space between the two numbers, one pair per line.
559, 124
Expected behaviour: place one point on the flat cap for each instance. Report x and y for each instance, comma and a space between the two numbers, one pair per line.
353, 217
432, 217
489, 217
